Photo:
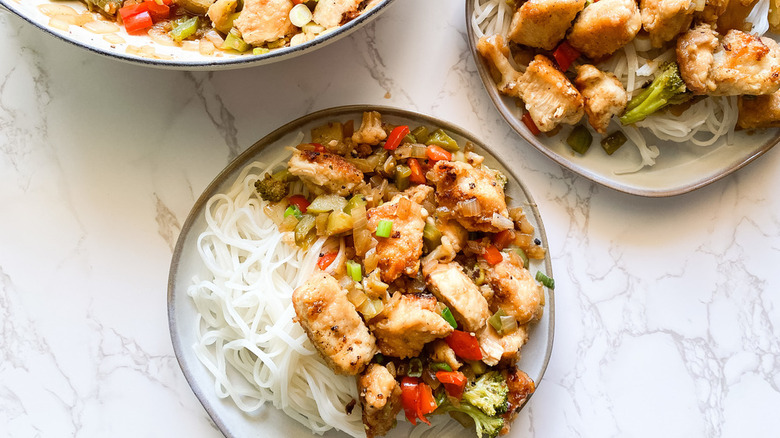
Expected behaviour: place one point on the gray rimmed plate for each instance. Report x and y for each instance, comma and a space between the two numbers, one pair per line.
680, 168
142, 50
186, 264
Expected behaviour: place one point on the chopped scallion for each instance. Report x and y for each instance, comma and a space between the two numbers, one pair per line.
415, 367
545, 280
523, 256
439, 366
384, 228
293, 210
447, 315
354, 270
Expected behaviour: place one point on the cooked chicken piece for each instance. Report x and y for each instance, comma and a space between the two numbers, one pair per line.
605, 26
494, 49
418, 193
665, 19
400, 253
441, 352
333, 325
323, 171
549, 96
330, 13
520, 388
759, 111
496, 348
261, 21
738, 63
712, 10
452, 234
370, 131
380, 398
407, 323
514, 289
543, 23
454, 288
603, 93
472, 194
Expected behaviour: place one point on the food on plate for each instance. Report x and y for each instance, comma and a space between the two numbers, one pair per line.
641, 71
214, 26
380, 268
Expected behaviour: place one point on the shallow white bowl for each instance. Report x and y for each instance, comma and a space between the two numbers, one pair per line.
172, 57
186, 264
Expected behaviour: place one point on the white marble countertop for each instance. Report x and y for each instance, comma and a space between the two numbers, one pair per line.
668, 310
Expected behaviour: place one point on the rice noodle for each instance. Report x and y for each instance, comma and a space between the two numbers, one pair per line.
247, 338
707, 122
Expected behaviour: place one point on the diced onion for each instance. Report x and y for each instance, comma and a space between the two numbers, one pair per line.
357, 297
52, 10
502, 222
101, 27
418, 151
404, 207
469, 208
300, 15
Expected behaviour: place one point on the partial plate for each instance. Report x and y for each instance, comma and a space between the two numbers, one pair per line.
171, 57
679, 169
186, 264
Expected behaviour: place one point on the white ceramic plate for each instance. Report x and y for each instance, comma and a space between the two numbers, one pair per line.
170, 57
186, 264
680, 168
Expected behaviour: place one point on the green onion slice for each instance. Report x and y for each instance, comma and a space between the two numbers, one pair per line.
545, 280
439, 366
294, 211
355, 270
415, 367
447, 315
384, 228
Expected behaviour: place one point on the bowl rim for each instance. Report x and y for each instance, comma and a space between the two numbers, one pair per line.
525, 134
242, 160
210, 63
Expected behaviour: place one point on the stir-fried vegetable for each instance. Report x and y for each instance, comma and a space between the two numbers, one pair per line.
579, 139
492, 255
667, 88
354, 270
396, 137
446, 313
440, 138
613, 142
384, 228
464, 344
545, 280
326, 203
417, 400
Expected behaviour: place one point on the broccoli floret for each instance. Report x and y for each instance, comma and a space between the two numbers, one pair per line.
667, 88
272, 189
489, 392
489, 425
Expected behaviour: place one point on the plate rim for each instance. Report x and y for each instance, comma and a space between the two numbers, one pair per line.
521, 130
242, 160
212, 63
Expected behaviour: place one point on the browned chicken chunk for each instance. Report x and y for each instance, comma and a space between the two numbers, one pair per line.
333, 325
495, 50
400, 253
380, 398
665, 19
455, 289
330, 13
520, 389
514, 289
549, 96
605, 26
739, 63
759, 111
603, 93
261, 21
472, 194
324, 171
407, 323
712, 10
441, 352
496, 348
543, 23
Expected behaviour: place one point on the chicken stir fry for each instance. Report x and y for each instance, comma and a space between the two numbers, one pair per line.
555, 56
423, 289
233, 26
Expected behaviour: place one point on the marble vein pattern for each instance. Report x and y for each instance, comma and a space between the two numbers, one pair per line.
668, 310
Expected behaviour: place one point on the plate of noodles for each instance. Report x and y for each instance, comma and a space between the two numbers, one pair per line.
357, 271
647, 98
197, 34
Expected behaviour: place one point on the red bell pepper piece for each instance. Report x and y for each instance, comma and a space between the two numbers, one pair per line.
529, 123
325, 261
564, 55
410, 396
130, 10
503, 239
454, 382
492, 255
299, 201
417, 176
425, 402
396, 137
157, 11
437, 153
137, 22
464, 344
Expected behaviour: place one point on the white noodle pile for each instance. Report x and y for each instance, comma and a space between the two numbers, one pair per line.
703, 124
247, 337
